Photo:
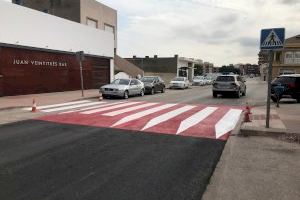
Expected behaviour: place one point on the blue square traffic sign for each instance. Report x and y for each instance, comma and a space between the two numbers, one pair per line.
272, 38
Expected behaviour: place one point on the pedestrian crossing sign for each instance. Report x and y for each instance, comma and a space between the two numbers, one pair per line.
272, 38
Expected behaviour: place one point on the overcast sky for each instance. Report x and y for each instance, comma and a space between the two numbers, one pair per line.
218, 31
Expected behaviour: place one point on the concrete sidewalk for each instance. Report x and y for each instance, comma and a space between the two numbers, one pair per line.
46, 98
259, 166
283, 120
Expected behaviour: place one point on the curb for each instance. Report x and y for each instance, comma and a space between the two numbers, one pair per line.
262, 131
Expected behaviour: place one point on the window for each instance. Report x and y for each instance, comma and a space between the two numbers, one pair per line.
92, 23
225, 78
286, 71
19, 2
110, 29
292, 57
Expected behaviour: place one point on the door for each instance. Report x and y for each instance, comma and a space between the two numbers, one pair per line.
156, 84
133, 87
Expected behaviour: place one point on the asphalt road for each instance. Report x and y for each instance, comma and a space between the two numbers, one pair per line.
43, 160
46, 160
256, 95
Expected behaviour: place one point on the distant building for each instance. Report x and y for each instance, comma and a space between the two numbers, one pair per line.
208, 68
166, 67
247, 69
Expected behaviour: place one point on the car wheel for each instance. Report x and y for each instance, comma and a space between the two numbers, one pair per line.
215, 95
244, 93
163, 90
238, 94
126, 94
273, 99
152, 91
142, 93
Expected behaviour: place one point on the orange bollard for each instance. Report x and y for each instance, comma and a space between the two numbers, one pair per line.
33, 109
247, 113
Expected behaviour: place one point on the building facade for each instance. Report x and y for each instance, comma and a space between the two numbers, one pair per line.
166, 67
91, 13
42, 58
88, 12
287, 61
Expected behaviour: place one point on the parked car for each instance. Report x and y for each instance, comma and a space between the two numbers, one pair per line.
229, 84
251, 76
179, 82
291, 84
153, 84
199, 80
209, 80
123, 88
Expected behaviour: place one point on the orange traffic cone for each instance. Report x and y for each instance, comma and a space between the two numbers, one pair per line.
100, 97
247, 113
33, 106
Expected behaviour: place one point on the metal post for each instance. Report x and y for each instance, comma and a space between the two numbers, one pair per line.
271, 54
81, 78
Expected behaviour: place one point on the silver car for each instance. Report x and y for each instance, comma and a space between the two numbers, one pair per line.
123, 88
229, 84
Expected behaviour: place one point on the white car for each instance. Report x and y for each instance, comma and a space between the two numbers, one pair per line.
179, 82
199, 80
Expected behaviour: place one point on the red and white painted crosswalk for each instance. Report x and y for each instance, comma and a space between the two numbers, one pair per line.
166, 118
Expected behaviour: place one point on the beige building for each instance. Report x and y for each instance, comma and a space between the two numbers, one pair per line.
91, 13
287, 61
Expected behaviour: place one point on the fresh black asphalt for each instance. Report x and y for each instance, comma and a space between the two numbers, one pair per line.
44, 161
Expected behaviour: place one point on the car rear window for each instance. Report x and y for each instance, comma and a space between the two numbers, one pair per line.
285, 80
178, 79
225, 78
147, 79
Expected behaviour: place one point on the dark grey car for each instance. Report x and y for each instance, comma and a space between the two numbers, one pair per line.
153, 84
234, 84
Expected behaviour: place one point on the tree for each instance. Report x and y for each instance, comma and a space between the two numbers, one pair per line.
198, 69
229, 69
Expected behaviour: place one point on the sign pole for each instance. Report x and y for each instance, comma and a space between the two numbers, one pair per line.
271, 55
81, 78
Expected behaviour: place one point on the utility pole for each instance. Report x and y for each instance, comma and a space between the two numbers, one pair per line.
80, 58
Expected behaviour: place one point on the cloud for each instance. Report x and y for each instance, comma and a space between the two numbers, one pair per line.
289, 2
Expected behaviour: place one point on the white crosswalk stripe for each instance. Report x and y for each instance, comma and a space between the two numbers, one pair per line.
228, 122
59, 105
125, 110
142, 114
70, 107
109, 108
167, 116
195, 119
103, 104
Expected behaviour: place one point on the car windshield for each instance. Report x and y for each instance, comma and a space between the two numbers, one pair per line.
121, 82
147, 79
178, 79
225, 78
